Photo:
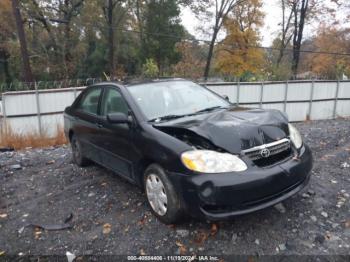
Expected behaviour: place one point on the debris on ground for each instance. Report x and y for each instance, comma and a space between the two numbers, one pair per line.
50, 162
6, 149
183, 232
305, 195
324, 214
70, 256
107, 228
345, 165
92, 194
50, 227
16, 167
311, 192
347, 224
234, 238
201, 237
213, 229
280, 207
282, 247
320, 238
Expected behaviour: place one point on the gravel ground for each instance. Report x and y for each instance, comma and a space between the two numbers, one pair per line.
111, 216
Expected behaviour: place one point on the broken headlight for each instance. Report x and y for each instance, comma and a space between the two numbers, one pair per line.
295, 136
207, 161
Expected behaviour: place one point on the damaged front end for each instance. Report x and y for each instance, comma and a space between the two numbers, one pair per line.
191, 138
205, 156
261, 141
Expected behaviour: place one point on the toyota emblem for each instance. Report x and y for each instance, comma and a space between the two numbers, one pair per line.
265, 153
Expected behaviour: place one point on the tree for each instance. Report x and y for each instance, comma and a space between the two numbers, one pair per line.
35, 12
139, 9
68, 9
114, 12
162, 30
300, 12
236, 54
286, 34
192, 61
59, 37
58, 18
279, 67
329, 66
222, 9
295, 15
7, 29
150, 69
27, 71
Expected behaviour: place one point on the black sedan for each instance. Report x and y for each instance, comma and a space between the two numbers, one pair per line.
191, 150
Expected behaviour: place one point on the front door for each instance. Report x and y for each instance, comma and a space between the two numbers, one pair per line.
116, 139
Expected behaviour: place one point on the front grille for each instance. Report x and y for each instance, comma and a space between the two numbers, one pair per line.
269, 154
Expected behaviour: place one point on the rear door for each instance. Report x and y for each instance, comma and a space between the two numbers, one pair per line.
86, 122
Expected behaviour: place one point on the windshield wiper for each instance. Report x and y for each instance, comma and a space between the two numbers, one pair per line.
170, 117
167, 117
209, 109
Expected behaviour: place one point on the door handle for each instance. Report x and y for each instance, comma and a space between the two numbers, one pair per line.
99, 125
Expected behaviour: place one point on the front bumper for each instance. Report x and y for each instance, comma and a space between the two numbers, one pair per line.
223, 196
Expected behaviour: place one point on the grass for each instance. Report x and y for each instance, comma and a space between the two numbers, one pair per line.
11, 139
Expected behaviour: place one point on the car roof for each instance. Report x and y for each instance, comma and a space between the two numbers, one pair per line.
133, 82
154, 80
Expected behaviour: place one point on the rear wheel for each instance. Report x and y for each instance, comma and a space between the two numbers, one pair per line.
78, 157
162, 198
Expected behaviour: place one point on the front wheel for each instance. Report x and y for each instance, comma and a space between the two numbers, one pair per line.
161, 195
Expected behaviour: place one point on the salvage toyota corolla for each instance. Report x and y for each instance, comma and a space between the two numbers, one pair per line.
190, 149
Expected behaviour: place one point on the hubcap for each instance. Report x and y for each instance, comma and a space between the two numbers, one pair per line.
156, 194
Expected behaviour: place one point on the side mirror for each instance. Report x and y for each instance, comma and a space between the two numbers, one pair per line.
118, 118
226, 97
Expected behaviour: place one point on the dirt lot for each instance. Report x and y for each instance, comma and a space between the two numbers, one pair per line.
111, 216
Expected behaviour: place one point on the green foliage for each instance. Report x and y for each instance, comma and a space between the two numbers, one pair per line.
162, 26
278, 70
150, 69
70, 40
192, 62
93, 64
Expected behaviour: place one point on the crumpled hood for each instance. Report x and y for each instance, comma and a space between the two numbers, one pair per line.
235, 129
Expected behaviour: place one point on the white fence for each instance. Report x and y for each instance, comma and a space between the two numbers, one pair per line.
41, 111
301, 100
36, 111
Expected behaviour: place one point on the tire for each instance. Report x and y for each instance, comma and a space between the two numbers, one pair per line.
173, 212
77, 154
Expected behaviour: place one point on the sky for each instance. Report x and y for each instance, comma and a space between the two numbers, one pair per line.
268, 32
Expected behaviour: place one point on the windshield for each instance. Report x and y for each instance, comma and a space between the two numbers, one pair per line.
174, 98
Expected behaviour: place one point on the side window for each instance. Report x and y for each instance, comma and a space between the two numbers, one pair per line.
113, 102
89, 103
